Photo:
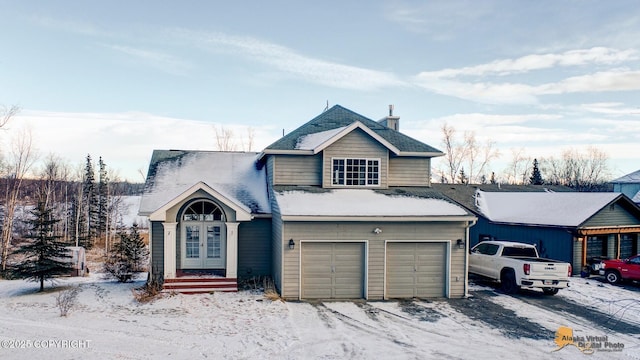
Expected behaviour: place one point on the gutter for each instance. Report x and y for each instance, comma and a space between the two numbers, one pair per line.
466, 259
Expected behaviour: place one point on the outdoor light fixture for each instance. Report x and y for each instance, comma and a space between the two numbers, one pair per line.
377, 230
292, 244
460, 243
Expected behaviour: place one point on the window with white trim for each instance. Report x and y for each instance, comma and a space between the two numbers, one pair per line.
355, 172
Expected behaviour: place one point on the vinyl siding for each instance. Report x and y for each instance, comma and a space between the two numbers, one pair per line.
157, 247
254, 248
356, 144
363, 231
409, 171
554, 243
611, 216
576, 261
297, 170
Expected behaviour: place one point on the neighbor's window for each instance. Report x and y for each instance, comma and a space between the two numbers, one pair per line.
358, 172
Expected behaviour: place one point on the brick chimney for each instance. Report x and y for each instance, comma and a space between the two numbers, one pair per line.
392, 122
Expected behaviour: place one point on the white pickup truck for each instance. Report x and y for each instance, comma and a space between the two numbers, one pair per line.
517, 265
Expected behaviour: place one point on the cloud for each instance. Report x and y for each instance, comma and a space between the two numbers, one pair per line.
610, 108
290, 62
614, 80
524, 64
124, 140
471, 83
159, 60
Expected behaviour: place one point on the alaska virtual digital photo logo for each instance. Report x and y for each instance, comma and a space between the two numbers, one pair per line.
586, 344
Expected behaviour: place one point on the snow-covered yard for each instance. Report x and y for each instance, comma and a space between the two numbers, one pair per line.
109, 324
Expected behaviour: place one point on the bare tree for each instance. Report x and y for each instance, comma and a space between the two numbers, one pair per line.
582, 171
224, 139
251, 135
475, 157
479, 157
454, 152
22, 156
518, 169
6, 114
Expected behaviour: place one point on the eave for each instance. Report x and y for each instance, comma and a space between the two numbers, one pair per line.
435, 218
243, 213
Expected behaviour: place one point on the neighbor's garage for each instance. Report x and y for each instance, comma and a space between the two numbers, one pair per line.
332, 270
416, 269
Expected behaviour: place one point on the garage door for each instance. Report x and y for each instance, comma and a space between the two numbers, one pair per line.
332, 270
416, 270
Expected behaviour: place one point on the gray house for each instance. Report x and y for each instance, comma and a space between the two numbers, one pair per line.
628, 185
576, 227
340, 208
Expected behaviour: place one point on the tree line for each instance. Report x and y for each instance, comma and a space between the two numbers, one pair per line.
85, 201
467, 161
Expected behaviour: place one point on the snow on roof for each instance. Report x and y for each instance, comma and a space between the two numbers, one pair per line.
312, 141
362, 202
232, 174
634, 177
542, 208
636, 198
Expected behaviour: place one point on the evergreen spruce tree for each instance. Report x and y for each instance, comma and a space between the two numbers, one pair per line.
462, 177
44, 256
536, 177
89, 204
138, 251
103, 199
127, 255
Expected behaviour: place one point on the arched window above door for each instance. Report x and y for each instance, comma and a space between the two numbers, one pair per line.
203, 211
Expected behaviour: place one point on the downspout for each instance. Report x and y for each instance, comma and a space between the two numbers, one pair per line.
466, 258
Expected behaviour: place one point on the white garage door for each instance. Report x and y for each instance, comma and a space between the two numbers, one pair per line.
416, 269
332, 270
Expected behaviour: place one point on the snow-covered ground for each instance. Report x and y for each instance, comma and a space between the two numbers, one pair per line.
109, 324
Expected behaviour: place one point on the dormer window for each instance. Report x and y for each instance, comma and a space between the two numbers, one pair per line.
355, 172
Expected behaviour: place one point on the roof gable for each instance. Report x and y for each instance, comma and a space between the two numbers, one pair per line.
320, 141
338, 121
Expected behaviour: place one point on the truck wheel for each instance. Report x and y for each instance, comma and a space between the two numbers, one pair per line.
508, 282
612, 276
550, 291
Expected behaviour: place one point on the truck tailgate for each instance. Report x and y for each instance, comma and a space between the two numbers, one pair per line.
549, 270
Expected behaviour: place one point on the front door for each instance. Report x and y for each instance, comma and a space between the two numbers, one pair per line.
203, 240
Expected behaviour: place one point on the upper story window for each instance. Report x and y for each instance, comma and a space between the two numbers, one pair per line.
202, 211
355, 172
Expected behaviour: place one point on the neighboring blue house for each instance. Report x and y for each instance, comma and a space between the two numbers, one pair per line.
576, 227
628, 185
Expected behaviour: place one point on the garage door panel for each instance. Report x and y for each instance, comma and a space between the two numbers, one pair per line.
416, 269
332, 270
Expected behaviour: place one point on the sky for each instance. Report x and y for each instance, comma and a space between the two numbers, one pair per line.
118, 79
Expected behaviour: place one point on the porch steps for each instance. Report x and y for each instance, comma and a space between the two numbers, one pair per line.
200, 284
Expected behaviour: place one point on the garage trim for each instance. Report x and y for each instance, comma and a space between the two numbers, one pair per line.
366, 263
447, 260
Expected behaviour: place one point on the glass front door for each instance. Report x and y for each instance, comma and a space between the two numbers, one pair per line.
203, 237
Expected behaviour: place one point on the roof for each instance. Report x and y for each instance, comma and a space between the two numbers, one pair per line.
634, 177
359, 203
231, 175
543, 208
465, 194
333, 121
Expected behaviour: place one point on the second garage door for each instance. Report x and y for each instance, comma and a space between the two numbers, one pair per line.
332, 270
416, 269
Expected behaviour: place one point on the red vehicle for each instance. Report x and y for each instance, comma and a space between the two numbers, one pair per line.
617, 270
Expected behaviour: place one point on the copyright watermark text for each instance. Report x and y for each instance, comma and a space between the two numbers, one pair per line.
44, 344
